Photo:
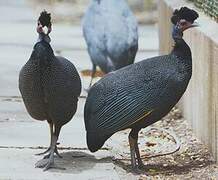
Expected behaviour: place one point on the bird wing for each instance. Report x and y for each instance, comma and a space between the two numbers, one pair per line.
110, 107
62, 87
93, 32
102, 29
122, 36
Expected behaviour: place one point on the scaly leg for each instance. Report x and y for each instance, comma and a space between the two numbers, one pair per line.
92, 76
48, 163
134, 151
56, 152
49, 148
51, 127
140, 163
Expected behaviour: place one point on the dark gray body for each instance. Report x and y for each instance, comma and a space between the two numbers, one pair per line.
111, 33
135, 96
50, 86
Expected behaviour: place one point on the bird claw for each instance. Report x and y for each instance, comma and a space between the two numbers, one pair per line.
141, 166
41, 163
57, 153
52, 166
47, 164
138, 170
46, 156
48, 151
42, 153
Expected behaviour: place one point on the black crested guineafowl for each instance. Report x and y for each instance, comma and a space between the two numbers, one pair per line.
50, 86
111, 34
140, 94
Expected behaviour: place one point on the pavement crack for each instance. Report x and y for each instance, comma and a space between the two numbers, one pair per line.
44, 147
19, 98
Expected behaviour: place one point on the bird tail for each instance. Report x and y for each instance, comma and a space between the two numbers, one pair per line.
94, 141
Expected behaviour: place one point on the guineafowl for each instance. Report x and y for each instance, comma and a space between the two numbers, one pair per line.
140, 94
50, 86
111, 34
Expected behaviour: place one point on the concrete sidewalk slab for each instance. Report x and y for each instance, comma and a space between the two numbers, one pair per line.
18, 164
18, 129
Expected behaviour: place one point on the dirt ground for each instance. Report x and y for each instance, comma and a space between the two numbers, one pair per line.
192, 161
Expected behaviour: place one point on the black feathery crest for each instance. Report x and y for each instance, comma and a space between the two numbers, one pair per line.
184, 13
45, 18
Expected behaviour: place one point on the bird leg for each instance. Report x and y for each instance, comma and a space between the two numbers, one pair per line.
93, 75
140, 163
49, 148
48, 162
56, 152
42, 153
51, 127
134, 151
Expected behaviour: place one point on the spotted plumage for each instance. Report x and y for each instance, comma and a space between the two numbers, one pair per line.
50, 86
138, 95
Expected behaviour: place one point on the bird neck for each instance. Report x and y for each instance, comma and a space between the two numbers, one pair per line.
44, 37
181, 49
46, 57
42, 54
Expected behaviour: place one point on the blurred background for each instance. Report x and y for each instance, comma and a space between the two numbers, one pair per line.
19, 34
67, 37
73, 10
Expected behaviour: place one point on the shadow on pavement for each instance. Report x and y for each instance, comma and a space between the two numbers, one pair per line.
76, 162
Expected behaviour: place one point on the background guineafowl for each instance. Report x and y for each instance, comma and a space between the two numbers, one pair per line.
111, 34
50, 87
140, 94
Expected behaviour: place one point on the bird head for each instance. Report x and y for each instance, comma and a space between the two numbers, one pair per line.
182, 20
44, 23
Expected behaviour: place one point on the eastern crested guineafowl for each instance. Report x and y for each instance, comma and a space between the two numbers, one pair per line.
140, 94
50, 86
111, 34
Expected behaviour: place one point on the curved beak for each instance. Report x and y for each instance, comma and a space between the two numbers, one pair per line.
195, 24
190, 25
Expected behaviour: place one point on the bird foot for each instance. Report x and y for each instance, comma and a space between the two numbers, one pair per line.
136, 170
42, 153
47, 164
139, 169
48, 151
57, 153
141, 166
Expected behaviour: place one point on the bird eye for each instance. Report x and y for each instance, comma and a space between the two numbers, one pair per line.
183, 23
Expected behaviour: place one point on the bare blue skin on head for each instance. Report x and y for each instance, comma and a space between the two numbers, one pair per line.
176, 32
